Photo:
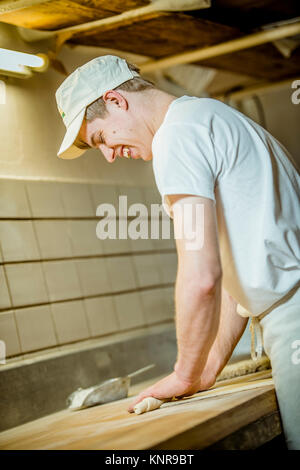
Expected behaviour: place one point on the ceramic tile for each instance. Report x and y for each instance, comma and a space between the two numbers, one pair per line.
168, 266
70, 321
169, 294
36, 328
129, 310
93, 276
148, 273
18, 241
143, 244
121, 273
101, 315
4, 294
104, 194
45, 198
8, 333
151, 196
157, 211
164, 244
26, 283
164, 239
133, 193
111, 246
13, 201
83, 237
62, 280
53, 238
77, 201
155, 306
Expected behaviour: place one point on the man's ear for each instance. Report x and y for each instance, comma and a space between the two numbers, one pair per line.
116, 98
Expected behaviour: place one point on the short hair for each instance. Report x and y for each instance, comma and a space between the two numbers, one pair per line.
98, 107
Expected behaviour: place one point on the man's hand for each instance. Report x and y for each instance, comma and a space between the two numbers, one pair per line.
172, 386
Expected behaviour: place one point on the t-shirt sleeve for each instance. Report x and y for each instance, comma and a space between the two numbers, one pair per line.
184, 161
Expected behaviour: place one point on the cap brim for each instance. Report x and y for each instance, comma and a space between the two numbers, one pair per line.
67, 149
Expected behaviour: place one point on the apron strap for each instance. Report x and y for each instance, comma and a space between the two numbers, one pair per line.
255, 326
256, 330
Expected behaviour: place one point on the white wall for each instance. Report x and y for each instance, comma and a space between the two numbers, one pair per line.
282, 118
31, 128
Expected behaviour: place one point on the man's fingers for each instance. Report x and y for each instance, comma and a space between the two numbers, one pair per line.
138, 399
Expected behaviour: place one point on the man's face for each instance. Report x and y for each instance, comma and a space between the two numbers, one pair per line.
121, 133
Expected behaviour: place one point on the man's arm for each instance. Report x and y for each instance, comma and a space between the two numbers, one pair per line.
198, 285
198, 298
231, 328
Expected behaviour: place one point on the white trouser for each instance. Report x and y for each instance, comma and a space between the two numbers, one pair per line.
281, 338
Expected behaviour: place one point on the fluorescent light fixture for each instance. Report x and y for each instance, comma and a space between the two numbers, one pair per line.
20, 64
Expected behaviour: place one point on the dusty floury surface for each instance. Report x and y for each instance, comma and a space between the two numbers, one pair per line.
190, 423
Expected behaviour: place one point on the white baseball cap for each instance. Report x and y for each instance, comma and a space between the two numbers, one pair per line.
85, 85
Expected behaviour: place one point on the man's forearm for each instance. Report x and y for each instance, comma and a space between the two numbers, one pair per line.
231, 328
197, 320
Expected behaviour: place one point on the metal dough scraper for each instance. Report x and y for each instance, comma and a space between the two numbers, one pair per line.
105, 392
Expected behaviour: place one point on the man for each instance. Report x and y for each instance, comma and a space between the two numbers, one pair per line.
206, 154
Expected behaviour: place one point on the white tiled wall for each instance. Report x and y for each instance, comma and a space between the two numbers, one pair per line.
155, 306
77, 200
36, 328
148, 272
121, 273
101, 315
129, 310
18, 240
26, 283
13, 201
8, 328
59, 283
93, 275
4, 294
70, 321
45, 198
62, 280
53, 238
82, 235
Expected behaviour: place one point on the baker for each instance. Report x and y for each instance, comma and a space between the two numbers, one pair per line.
245, 262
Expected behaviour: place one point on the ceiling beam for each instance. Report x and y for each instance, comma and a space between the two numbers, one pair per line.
153, 9
8, 6
253, 90
227, 47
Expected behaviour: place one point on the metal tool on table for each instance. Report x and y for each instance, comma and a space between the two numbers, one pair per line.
105, 392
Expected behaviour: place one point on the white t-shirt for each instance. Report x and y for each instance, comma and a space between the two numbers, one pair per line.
209, 149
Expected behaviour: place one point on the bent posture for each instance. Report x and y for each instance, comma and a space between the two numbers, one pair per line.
241, 259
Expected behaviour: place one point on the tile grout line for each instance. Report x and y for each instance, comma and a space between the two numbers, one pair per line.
14, 312
63, 347
102, 255
137, 282
42, 269
107, 294
82, 291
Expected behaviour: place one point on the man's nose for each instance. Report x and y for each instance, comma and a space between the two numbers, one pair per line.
107, 152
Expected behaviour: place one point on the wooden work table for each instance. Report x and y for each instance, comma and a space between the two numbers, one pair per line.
192, 423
